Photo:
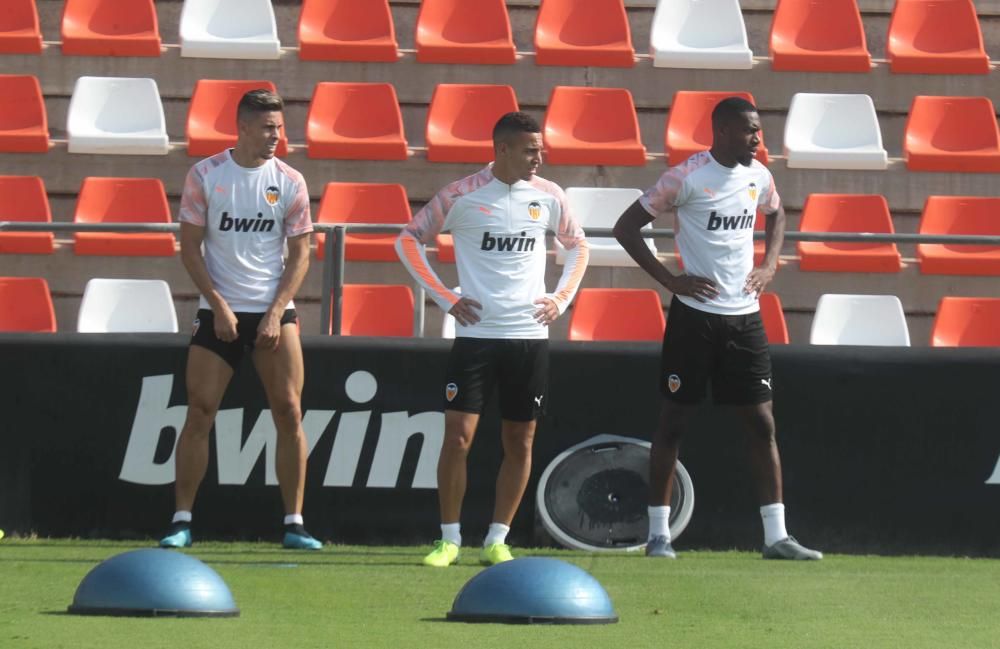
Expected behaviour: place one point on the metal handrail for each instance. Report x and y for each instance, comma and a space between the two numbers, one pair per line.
334, 267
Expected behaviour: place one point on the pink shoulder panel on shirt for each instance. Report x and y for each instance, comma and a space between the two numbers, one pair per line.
770, 201
298, 219
427, 223
662, 197
569, 232
194, 205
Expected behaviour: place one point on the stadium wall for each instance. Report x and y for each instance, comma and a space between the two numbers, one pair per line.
885, 450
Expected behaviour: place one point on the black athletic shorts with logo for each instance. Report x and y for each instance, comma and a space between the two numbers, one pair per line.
731, 351
203, 333
519, 367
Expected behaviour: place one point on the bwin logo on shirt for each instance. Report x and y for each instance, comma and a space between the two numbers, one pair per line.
523, 243
259, 224
741, 222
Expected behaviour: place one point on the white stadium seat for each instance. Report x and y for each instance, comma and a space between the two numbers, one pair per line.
699, 34
859, 320
827, 131
600, 207
126, 306
116, 115
229, 29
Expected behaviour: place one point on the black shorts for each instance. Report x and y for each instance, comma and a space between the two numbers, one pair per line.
731, 351
203, 333
520, 368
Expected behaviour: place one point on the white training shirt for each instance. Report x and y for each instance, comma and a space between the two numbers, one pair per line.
247, 214
499, 233
715, 207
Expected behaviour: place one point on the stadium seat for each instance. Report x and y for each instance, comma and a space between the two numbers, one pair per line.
19, 29
464, 31
355, 121
377, 310
960, 215
859, 320
211, 121
123, 200
461, 118
773, 317
936, 37
25, 200
592, 33
229, 29
24, 124
699, 34
116, 115
967, 322
689, 124
445, 248
26, 306
847, 213
617, 314
952, 134
126, 306
819, 36
347, 30
110, 28
600, 207
824, 131
592, 126
364, 203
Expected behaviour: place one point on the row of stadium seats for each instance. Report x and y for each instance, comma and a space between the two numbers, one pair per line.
925, 36
583, 125
130, 305
144, 200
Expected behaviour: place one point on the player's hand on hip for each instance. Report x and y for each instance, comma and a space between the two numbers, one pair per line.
547, 310
700, 288
757, 280
464, 311
268, 332
225, 324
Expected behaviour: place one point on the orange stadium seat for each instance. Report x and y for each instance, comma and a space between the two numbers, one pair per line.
960, 215
377, 310
26, 305
952, 134
364, 203
24, 124
211, 121
445, 248
19, 29
617, 314
464, 31
819, 36
847, 213
355, 121
967, 322
347, 30
123, 200
25, 200
773, 317
592, 126
936, 37
110, 28
594, 33
689, 124
461, 118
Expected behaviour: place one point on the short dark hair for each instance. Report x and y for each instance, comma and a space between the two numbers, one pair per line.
729, 109
258, 101
512, 123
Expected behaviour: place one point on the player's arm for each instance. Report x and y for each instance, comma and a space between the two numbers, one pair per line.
571, 236
296, 266
774, 238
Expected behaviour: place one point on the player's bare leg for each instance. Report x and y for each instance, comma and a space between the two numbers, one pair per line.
282, 374
674, 422
517, 438
459, 431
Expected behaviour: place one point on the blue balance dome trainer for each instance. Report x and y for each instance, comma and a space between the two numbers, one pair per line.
533, 590
153, 582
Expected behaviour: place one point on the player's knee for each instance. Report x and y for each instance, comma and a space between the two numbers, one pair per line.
200, 416
286, 408
457, 441
518, 446
762, 429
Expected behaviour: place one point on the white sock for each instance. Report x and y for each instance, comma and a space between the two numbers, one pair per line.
659, 521
496, 534
294, 519
452, 533
773, 517
181, 516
